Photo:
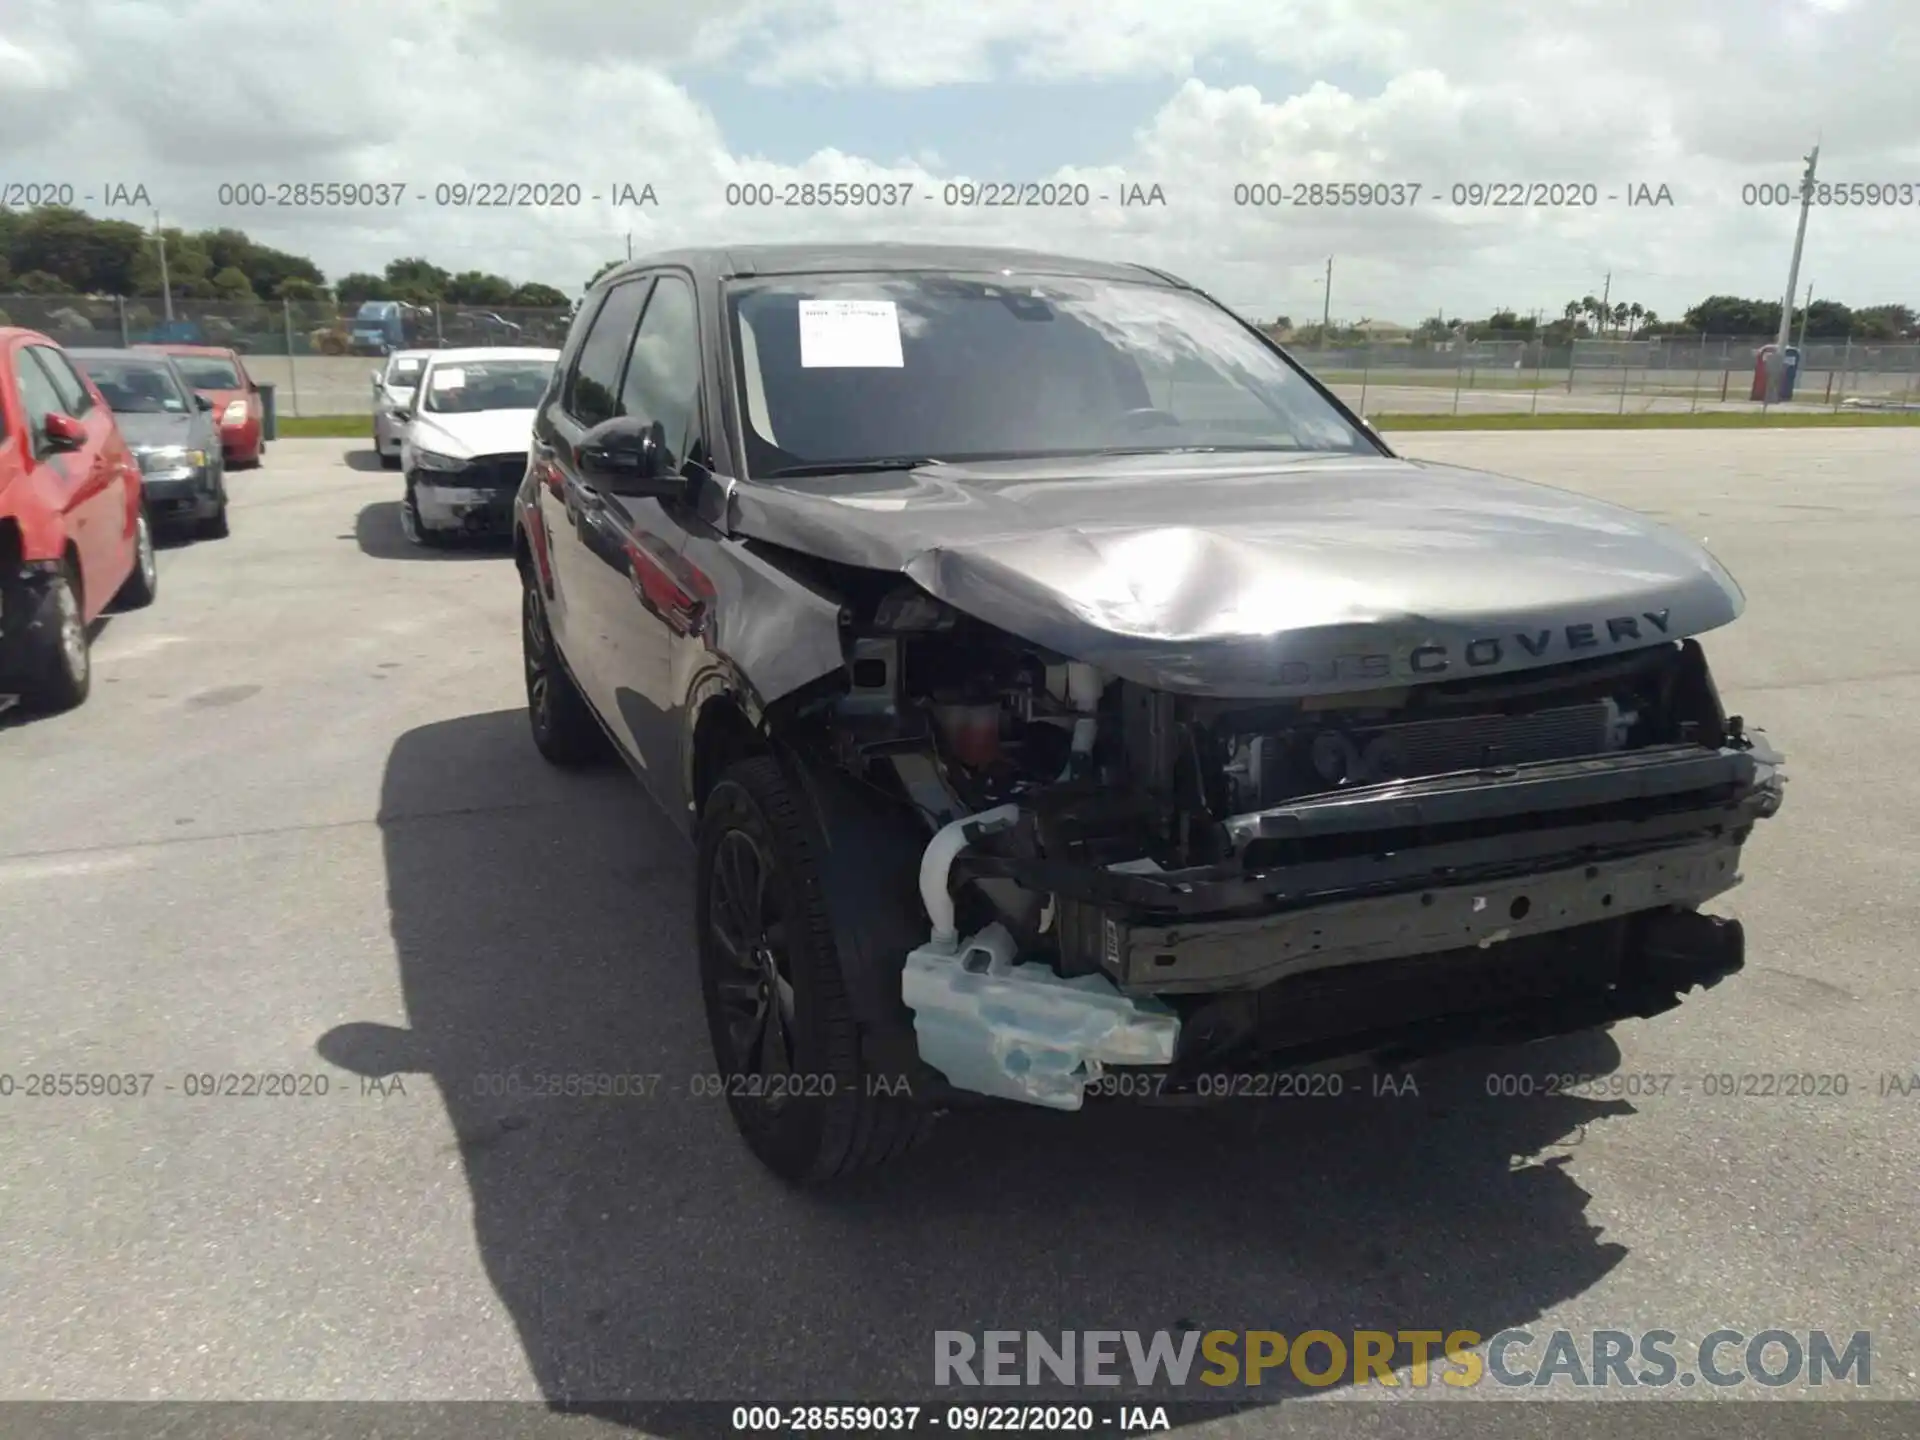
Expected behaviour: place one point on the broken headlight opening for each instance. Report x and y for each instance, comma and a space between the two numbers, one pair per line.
1117, 877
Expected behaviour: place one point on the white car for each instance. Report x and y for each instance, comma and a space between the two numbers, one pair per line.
393, 387
463, 448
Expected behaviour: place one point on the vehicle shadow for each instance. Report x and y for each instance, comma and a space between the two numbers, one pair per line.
367, 462
376, 529
542, 927
16, 716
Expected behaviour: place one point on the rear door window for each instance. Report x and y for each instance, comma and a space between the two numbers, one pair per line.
74, 398
593, 390
38, 397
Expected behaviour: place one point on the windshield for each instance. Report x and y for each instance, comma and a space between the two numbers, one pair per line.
961, 367
208, 374
404, 374
137, 387
475, 385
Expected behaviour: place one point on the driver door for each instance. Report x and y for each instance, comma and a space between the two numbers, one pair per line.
647, 599
584, 558
92, 490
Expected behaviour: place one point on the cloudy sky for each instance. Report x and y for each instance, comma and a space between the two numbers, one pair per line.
1195, 96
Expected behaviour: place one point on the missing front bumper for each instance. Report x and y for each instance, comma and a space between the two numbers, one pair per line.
1237, 954
474, 509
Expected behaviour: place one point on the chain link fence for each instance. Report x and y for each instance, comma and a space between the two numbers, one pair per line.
308, 350
1606, 376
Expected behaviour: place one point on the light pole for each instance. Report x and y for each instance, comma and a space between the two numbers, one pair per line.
166, 290
1777, 367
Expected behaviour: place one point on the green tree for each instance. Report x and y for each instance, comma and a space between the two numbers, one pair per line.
266, 269
300, 291
414, 276
476, 287
189, 267
232, 284
1826, 320
1885, 322
87, 254
41, 282
359, 286
534, 294
1730, 315
1507, 325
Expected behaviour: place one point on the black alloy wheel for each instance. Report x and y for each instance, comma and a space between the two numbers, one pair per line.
564, 730
787, 1047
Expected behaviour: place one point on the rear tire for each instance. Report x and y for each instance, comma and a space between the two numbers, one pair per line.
564, 730
389, 462
56, 654
144, 583
785, 1041
216, 526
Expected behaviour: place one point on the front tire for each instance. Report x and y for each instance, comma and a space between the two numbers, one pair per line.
784, 1036
564, 730
414, 528
56, 655
216, 525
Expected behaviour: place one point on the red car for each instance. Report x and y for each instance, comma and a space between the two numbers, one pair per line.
74, 533
219, 375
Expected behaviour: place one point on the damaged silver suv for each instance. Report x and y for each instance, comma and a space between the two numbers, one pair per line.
1061, 686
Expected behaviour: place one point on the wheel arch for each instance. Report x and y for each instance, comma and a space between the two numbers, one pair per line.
70, 558
867, 857
720, 734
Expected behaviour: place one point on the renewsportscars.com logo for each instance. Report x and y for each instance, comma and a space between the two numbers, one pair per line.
1460, 1358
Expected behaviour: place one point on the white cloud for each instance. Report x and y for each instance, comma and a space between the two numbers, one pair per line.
1696, 94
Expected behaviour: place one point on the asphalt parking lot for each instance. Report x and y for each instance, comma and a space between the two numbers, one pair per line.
299, 828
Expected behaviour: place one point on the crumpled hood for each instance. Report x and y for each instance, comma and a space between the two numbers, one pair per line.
483, 432
1263, 576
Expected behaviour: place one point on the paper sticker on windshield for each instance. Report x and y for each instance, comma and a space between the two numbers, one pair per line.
451, 379
850, 334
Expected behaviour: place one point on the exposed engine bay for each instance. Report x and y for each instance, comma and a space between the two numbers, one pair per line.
1118, 876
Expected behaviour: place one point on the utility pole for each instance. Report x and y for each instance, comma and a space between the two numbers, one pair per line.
166, 289
1606, 314
1326, 308
1777, 369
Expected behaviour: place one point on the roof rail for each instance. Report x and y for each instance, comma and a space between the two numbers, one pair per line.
1154, 270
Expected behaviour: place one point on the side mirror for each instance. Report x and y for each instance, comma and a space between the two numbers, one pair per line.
374, 375
628, 456
63, 432
201, 402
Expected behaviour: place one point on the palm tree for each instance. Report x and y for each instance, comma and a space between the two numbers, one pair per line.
1635, 313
